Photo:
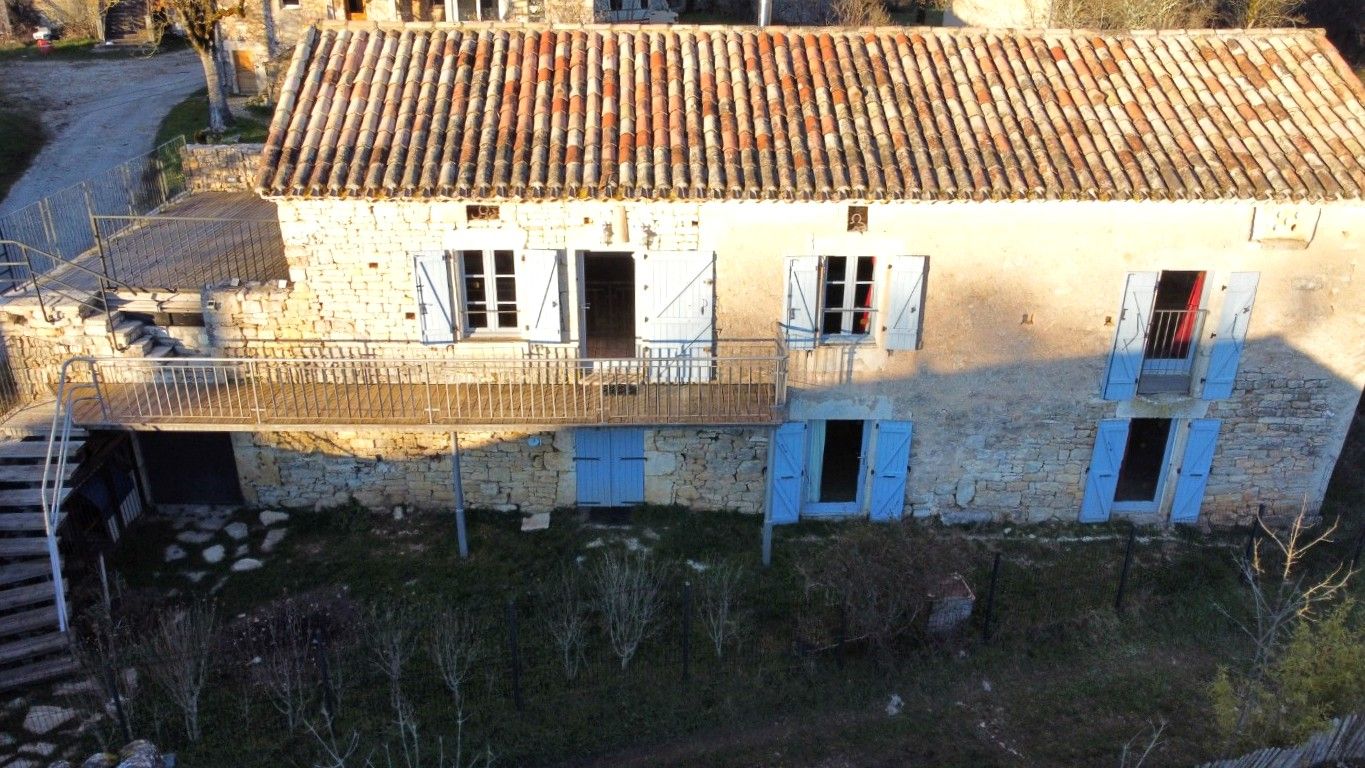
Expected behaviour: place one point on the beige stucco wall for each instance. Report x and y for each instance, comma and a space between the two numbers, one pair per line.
1004, 410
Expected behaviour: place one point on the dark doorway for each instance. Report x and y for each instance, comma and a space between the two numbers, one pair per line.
190, 467
609, 304
1144, 457
1174, 314
355, 10
841, 465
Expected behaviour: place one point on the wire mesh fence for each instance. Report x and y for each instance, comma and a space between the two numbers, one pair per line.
61, 223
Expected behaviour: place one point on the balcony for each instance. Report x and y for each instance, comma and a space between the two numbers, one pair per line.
1168, 351
742, 383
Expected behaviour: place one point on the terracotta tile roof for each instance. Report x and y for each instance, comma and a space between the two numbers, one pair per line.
675, 112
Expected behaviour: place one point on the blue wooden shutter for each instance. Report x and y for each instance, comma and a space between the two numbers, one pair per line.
787, 474
627, 450
1103, 478
434, 298
1130, 339
538, 296
904, 301
1194, 470
891, 462
592, 467
1231, 335
800, 307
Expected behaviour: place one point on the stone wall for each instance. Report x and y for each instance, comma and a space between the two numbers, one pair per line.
706, 469
220, 167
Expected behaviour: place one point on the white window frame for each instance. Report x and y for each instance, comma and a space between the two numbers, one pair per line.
492, 300
847, 307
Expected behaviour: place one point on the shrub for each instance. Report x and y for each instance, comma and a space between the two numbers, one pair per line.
627, 589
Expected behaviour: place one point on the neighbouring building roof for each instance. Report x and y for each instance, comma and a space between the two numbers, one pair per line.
702, 113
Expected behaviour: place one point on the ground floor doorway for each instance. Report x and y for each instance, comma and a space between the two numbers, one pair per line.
609, 464
1143, 469
835, 471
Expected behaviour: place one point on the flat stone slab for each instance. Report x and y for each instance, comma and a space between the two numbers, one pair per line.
273, 537
241, 550
194, 537
237, 531
538, 521
270, 517
175, 552
214, 554
195, 576
41, 748
44, 718
246, 564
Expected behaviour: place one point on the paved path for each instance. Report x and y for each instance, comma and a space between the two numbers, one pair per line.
98, 112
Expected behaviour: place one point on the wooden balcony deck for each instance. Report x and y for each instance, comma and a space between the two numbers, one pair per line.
274, 406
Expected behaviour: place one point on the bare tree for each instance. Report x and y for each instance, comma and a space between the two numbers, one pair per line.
179, 649
1134, 14
285, 662
858, 13
718, 584
199, 19
1264, 13
628, 599
1284, 591
1135, 752
393, 640
76, 18
567, 620
455, 646
101, 646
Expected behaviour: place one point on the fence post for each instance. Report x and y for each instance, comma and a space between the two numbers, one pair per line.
989, 614
513, 653
1127, 563
111, 687
1359, 550
843, 636
329, 702
687, 630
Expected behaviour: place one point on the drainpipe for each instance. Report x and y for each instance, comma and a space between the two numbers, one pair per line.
768, 499
458, 486
765, 12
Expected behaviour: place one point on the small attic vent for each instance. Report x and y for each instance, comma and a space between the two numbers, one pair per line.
857, 218
482, 213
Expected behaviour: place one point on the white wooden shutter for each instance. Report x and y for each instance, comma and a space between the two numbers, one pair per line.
539, 296
675, 312
434, 298
801, 306
905, 277
1130, 338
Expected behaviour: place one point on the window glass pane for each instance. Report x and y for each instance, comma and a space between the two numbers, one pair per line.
865, 265
836, 269
862, 296
503, 263
473, 262
507, 290
833, 323
862, 322
507, 319
834, 295
474, 291
478, 319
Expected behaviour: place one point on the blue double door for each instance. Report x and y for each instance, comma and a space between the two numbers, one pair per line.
609, 463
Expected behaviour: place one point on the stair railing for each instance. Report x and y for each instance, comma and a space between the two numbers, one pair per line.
52, 491
44, 280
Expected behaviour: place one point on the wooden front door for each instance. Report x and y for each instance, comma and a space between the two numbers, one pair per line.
244, 69
610, 466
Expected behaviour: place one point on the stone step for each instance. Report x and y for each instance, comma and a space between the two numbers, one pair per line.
23, 546
21, 521
24, 570
20, 622
31, 473
20, 597
34, 449
28, 647
162, 350
40, 672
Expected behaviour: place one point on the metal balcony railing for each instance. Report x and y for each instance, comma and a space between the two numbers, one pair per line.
740, 384
1169, 348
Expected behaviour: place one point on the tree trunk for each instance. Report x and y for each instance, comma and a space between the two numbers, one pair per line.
6, 29
220, 117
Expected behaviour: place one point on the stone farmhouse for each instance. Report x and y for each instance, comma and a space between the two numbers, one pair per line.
799, 273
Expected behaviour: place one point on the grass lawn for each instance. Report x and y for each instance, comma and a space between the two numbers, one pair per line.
190, 118
1065, 681
70, 48
21, 137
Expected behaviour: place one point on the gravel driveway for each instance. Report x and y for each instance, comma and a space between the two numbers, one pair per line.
97, 112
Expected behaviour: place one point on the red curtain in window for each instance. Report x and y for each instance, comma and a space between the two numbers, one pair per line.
1184, 332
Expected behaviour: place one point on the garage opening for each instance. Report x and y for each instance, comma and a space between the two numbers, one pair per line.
190, 467
1144, 458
